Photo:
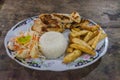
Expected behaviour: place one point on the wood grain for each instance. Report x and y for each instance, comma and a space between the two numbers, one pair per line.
104, 12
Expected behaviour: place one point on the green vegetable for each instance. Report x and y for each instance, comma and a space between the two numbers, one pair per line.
24, 40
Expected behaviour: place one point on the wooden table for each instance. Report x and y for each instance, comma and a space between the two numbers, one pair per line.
104, 12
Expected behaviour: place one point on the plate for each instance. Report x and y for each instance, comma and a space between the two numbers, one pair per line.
56, 64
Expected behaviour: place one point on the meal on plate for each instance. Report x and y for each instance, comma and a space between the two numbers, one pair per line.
46, 38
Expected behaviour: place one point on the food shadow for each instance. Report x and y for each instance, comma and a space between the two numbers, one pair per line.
83, 72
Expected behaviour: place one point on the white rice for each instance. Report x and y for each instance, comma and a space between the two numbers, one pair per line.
53, 44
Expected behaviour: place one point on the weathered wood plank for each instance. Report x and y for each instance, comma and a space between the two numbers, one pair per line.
104, 12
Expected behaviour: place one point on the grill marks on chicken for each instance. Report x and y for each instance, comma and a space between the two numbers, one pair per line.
55, 22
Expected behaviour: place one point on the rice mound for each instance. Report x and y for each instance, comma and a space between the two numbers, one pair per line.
53, 44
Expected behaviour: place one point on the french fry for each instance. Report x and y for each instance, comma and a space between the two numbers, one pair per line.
103, 35
88, 27
75, 29
83, 32
94, 27
75, 46
70, 37
88, 36
83, 46
80, 42
69, 50
96, 40
95, 33
73, 34
72, 56
91, 41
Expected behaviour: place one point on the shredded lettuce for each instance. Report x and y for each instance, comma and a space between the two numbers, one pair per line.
23, 40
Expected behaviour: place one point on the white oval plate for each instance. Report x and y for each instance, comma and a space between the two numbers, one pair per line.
56, 64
